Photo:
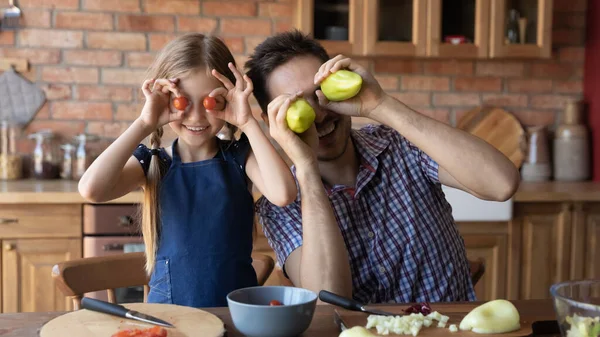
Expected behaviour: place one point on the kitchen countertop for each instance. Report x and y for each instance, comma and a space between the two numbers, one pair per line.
65, 192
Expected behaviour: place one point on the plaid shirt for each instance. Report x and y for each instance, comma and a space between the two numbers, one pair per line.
402, 241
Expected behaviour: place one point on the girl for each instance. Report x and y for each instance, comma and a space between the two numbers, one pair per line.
197, 216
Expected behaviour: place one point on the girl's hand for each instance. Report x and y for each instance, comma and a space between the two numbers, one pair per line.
237, 109
158, 109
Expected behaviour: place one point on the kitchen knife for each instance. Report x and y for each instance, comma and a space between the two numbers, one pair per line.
350, 304
121, 311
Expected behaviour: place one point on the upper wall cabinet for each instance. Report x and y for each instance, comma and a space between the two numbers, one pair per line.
521, 28
430, 28
458, 28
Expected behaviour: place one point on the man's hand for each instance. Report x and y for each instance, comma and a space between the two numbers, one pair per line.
301, 148
361, 105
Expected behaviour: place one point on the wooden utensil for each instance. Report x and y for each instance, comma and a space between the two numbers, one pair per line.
499, 128
187, 321
456, 313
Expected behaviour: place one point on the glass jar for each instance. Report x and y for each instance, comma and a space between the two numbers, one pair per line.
46, 161
67, 162
83, 156
10, 161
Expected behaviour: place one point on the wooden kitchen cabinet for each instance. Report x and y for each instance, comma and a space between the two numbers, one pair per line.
448, 20
27, 283
536, 40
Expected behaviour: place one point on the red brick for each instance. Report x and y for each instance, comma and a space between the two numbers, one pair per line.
44, 112
93, 57
283, 26
549, 101
245, 27
104, 93
568, 37
35, 19
508, 100
34, 56
66, 129
387, 82
413, 99
477, 84
7, 37
51, 38
240, 60
112, 5
120, 41
57, 91
123, 76
158, 41
196, 24
578, 71
128, 112
32, 74
232, 8
252, 42
568, 87
140, 60
397, 66
552, 70
145, 23
111, 130
82, 20
275, 10
442, 115
529, 85
456, 99
426, 83
191, 7
500, 69
81, 110
535, 117
70, 75
572, 54
52, 4
235, 44
449, 67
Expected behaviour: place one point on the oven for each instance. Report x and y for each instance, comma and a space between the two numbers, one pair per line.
110, 229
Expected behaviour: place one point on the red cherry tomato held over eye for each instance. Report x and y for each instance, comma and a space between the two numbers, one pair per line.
209, 102
275, 302
180, 103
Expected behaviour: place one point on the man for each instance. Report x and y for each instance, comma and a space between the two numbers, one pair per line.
371, 220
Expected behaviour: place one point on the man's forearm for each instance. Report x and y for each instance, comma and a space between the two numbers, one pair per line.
471, 161
324, 260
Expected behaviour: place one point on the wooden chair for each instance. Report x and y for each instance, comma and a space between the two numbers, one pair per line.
80, 276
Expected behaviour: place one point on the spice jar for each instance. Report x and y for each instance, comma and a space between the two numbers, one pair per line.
83, 157
66, 171
10, 162
45, 158
571, 145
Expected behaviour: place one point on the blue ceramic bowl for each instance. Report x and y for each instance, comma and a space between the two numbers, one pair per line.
577, 306
254, 317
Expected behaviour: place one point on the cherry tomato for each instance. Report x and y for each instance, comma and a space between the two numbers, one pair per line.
275, 302
180, 103
209, 102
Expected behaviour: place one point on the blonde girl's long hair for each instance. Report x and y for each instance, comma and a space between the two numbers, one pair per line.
188, 53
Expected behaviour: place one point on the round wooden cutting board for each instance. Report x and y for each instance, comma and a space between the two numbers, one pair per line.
187, 321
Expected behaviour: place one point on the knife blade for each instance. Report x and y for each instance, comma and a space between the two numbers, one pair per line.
120, 311
350, 304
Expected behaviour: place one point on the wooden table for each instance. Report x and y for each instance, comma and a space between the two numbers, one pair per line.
323, 325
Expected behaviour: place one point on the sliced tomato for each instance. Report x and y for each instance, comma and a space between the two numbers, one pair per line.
275, 302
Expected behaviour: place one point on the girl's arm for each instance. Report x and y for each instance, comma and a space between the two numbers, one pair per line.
115, 172
267, 170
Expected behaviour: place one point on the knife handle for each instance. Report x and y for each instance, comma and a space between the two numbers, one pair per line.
340, 301
104, 307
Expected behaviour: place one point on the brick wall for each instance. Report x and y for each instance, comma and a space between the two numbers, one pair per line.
90, 57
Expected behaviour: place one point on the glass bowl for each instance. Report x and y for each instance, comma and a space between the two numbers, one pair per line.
577, 307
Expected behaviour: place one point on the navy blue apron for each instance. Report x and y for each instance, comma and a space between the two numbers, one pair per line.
205, 240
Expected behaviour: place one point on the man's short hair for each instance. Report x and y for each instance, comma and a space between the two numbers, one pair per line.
275, 51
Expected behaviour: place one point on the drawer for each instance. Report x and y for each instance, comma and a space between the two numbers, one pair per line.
40, 221
110, 219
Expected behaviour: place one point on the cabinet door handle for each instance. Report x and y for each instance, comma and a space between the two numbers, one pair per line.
125, 221
113, 247
4, 221
9, 246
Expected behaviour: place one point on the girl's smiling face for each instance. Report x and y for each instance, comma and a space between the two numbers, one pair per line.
197, 126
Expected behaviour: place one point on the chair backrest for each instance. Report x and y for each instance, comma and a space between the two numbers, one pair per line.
80, 276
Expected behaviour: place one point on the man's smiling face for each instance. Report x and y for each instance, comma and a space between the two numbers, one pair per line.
298, 75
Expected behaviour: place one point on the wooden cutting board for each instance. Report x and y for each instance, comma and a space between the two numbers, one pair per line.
499, 128
456, 313
187, 321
